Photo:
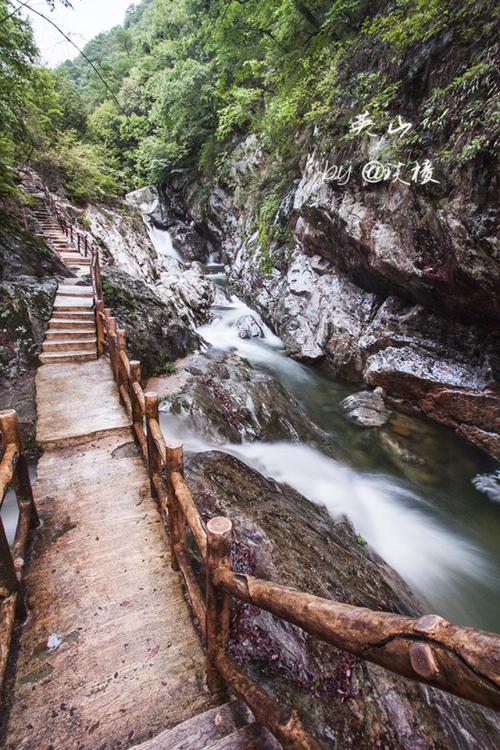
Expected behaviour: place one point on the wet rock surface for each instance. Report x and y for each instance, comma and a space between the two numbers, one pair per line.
227, 400
366, 408
156, 335
281, 536
249, 328
188, 290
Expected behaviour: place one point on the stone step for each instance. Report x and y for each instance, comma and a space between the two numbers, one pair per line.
61, 322
55, 358
69, 345
72, 315
72, 290
70, 304
83, 333
75, 259
66, 307
62, 298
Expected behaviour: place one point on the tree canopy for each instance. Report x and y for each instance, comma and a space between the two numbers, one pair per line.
185, 80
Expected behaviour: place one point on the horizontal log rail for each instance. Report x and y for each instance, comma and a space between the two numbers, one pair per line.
459, 660
14, 470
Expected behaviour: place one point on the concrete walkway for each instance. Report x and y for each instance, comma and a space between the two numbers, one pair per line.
109, 656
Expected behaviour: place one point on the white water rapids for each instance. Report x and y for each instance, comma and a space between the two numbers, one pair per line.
444, 566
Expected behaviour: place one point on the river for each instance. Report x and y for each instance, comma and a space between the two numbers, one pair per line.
426, 519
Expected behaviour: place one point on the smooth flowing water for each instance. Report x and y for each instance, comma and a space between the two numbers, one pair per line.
420, 512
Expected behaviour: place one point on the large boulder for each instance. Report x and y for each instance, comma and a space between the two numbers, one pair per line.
147, 200
156, 335
280, 536
189, 290
222, 398
366, 408
249, 328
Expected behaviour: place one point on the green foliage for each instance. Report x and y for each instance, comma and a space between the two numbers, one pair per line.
193, 78
462, 117
80, 168
26, 101
409, 21
167, 368
73, 111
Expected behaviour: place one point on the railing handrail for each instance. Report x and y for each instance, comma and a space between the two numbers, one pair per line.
463, 661
14, 470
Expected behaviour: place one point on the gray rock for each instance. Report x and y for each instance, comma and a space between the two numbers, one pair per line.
155, 332
189, 242
366, 408
189, 291
249, 328
227, 401
148, 201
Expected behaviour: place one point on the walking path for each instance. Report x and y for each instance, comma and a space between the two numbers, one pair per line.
109, 656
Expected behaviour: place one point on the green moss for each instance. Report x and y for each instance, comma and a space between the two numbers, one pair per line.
361, 541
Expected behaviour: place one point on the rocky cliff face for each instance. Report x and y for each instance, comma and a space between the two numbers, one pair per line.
378, 284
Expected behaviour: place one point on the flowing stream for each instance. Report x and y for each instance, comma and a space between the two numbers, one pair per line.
425, 517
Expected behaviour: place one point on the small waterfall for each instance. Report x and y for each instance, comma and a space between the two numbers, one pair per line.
162, 241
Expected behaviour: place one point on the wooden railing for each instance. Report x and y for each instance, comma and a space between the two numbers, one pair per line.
78, 238
13, 470
463, 661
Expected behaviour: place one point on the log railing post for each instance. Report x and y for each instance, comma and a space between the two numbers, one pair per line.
113, 345
122, 376
219, 538
99, 311
9, 427
10, 565
154, 463
8, 576
98, 280
176, 523
135, 377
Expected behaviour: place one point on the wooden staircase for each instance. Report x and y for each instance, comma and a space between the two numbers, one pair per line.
230, 726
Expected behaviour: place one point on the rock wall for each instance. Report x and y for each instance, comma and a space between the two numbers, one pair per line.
381, 285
